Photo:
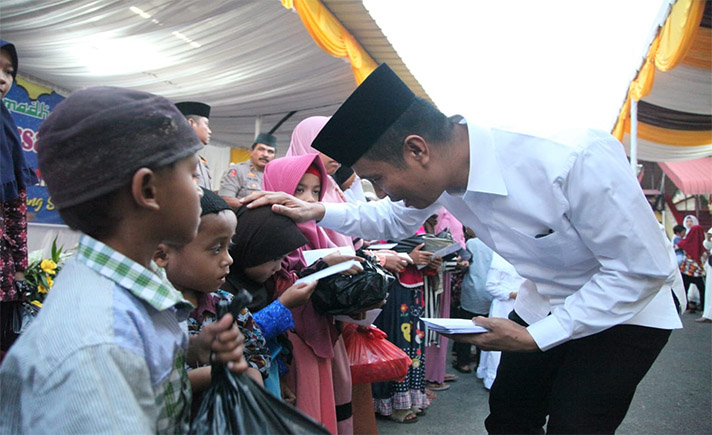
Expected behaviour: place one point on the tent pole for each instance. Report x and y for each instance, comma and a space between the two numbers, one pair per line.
258, 125
634, 135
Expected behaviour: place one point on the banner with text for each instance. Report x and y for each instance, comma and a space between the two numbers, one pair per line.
30, 104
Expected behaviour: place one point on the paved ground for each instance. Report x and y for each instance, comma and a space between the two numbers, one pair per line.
674, 397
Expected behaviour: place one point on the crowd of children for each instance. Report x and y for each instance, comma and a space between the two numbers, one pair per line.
126, 337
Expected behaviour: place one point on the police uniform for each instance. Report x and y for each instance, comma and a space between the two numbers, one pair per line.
241, 180
204, 178
188, 108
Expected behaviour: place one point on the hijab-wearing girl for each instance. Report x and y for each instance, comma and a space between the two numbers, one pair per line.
320, 375
302, 137
262, 239
692, 266
15, 176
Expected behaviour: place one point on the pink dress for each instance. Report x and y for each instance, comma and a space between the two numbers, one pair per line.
319, 375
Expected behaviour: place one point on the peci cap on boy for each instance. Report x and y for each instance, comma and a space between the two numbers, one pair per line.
96, 139
211, 202
188, 108
369, 111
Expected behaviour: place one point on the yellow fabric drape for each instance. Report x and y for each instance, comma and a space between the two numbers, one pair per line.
238, 155
678, 32
332, 37
667, 50
668, 136
700, 53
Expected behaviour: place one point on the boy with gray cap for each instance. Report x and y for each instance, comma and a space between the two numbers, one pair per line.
108, 354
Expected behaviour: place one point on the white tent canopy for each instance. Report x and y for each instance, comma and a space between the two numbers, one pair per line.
247, 59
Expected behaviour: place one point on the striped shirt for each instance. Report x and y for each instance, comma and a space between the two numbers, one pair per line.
105, 354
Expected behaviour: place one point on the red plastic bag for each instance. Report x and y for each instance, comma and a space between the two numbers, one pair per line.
372, 357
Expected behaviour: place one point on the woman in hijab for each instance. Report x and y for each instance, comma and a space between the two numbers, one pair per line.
320, 375
690, 221
15, 175
692, 266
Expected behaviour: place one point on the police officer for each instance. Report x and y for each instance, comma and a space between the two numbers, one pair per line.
246, 177
198, 115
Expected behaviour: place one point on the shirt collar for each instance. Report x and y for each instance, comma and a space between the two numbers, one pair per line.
485, 174
147, 284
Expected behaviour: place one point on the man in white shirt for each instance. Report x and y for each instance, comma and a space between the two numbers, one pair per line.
565, 210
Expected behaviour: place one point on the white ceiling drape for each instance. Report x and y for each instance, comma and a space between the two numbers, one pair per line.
244, 58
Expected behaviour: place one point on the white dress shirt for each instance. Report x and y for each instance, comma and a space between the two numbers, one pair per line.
568, 213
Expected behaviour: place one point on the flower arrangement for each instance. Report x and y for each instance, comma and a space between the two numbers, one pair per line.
41, 272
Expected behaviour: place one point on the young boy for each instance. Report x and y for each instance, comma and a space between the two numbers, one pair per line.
107, 353
197, 270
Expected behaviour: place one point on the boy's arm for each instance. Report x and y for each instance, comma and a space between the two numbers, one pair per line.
100, 389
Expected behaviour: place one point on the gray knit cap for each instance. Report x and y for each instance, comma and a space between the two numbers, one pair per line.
94, 141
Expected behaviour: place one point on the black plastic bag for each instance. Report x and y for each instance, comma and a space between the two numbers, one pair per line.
235, 404
345, 294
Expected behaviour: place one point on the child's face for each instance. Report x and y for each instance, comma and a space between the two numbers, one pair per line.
202, 264
6, 71
179, 199
264, 271
309, 188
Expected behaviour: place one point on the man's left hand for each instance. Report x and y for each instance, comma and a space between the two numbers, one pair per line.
504, 335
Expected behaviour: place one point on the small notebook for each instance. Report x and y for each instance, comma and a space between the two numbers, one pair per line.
453, 326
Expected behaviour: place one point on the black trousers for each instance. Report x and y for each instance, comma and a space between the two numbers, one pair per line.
583, 386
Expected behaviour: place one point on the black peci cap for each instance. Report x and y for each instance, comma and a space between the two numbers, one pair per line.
267, 139
368, 112
194, 108
211, 202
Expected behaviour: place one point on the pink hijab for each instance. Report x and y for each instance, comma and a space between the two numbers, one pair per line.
283, 175
302, 138
447, 221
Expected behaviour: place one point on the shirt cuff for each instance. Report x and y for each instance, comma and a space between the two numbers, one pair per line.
333, 215
548, 333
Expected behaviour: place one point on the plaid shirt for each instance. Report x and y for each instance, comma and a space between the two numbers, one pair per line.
105, 354
174, 394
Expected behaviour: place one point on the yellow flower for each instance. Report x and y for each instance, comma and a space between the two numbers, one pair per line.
37, 303
50, 282
48, 266
41, 288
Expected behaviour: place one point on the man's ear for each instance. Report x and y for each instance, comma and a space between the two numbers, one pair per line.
192, 122
161, 255
415, 148
143, 189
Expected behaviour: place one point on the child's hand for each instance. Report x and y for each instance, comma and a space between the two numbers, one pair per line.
287, 394
226, 343
421, 258
336, 258
394, 263
297, 295
435, 263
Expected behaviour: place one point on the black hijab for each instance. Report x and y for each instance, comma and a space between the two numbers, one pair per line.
15, 172
261, 236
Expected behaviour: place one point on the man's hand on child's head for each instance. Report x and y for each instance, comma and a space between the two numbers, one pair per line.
226, 343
